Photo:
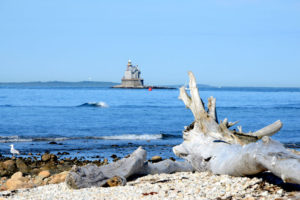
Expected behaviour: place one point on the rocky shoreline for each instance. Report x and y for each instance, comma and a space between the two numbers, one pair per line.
43, 169
37, 170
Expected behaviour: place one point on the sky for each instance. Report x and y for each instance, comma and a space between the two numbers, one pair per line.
224, 42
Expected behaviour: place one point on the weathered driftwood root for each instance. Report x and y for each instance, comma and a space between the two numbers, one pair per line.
91, 175
135, 164
209, 145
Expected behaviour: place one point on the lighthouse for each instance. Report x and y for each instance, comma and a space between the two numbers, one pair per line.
132, 77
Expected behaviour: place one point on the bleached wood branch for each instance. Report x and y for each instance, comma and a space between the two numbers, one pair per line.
212, 112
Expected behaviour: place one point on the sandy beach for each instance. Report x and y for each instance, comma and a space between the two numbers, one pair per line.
183, 185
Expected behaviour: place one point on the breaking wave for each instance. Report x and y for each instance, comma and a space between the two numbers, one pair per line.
15, 138
94, 104
131, 137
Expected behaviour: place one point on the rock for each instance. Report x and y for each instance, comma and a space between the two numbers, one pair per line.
155, 159
17, 175
52, 142
46, 157
38, 180
12, 184
30, 154
17, 181
116, 181
44, 174
35, 171
9, 165
113, 156
173, 159
53, 157
7, 168
3, 187
22, 166
58, 178
105, 161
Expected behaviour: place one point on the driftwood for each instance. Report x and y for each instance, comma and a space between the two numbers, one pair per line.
135, 164
210, 145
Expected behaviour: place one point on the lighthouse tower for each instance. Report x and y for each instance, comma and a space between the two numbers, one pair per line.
132, 76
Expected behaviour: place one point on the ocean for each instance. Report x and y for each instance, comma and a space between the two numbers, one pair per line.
96, 122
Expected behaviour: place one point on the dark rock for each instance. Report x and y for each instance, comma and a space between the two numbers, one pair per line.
155, 159
34, 165
46, 157
53, 157
114, 156
114, 145
115, 181
21, 165
30, 154
173, 159
52, 142
35, 171
7, 168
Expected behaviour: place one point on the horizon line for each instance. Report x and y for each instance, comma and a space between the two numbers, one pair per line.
110, 82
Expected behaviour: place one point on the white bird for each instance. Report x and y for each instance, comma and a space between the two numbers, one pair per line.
13, 150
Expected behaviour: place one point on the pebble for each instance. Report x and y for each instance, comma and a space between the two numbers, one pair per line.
183, 185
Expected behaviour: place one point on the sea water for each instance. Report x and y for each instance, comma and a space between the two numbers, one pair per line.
100, 121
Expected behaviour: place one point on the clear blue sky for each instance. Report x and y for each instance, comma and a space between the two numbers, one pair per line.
225, 43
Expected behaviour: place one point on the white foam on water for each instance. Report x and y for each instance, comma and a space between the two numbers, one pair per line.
13, 138
132, 137
98, 104
51, 139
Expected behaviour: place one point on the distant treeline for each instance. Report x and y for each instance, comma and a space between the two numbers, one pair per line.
99, 84
59, 84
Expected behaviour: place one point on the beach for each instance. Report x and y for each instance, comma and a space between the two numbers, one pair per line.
183, 185
149, 100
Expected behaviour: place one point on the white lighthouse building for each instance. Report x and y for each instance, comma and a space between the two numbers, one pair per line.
132, 77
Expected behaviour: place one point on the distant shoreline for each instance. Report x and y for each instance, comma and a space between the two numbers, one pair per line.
100, 84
